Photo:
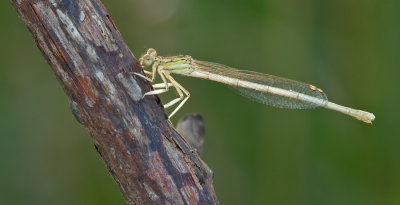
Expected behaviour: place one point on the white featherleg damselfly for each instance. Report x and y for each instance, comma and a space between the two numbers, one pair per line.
263, 88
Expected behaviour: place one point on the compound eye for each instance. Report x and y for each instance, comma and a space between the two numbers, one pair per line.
146, 60
150, 58
152, 52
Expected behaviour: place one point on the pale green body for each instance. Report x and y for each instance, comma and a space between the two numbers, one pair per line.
263, 88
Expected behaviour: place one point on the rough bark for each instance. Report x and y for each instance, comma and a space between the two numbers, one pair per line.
148, 159
191, 126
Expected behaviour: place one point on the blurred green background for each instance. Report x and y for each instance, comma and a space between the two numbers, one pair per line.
259, 154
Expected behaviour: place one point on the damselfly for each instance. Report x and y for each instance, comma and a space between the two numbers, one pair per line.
263, 88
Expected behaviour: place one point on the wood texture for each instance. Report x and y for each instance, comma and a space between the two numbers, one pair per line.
148, 159
192, 127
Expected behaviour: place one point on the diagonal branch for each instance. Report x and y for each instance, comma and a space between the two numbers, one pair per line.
149, 160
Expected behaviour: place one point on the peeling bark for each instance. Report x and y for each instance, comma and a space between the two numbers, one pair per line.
149, 160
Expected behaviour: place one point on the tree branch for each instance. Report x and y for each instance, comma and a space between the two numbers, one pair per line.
149, 160
191, 126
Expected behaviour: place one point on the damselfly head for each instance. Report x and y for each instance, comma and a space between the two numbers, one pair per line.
148, 58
